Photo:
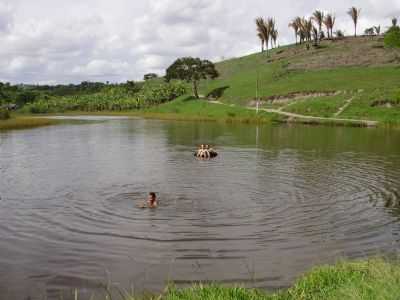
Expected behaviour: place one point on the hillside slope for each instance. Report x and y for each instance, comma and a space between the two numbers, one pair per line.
358, 75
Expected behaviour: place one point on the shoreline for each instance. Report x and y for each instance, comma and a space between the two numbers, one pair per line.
370, 278
26, 121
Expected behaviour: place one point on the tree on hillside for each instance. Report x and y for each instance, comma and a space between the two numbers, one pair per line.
377, 30
329, 23
271, 28
318, 17
261, 37
263, 32
150, 76
315, 35
354, 13
191, 70
295, 26
274, 36
394, 22
369, 31
306, 28
392, 36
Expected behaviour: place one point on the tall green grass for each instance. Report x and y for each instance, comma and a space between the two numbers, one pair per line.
373, 279
25, 122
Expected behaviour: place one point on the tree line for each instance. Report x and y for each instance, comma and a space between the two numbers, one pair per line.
315, 28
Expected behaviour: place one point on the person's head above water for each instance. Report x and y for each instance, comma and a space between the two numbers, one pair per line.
152, 197
152, 201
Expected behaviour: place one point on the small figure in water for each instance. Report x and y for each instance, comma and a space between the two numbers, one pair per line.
205, 152
151, 201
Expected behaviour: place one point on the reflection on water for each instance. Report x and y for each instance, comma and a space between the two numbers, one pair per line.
277, 201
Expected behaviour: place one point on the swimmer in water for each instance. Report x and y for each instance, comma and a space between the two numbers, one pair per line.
151, 201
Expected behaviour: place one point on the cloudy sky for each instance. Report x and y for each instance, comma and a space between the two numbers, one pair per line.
65, 41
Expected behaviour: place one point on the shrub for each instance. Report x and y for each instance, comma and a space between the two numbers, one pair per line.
4, 114
392, 37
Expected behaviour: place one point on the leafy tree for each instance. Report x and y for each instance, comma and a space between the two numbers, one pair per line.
369, 31
150, 76
394, 22
132, 86
25, 97
339, 34
191, 70
392, 37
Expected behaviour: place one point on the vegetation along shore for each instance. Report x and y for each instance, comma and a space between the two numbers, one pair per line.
364, 279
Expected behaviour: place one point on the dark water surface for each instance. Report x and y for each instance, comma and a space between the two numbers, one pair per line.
277, 201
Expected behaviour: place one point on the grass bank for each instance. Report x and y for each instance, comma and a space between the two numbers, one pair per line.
25, 122
360, 280
188, 108
181, 109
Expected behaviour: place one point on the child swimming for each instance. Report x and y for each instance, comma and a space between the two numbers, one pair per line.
151, 201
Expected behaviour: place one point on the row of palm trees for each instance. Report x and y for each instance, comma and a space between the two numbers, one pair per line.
267, 32
305, 29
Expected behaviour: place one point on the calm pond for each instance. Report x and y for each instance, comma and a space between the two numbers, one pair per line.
278, 200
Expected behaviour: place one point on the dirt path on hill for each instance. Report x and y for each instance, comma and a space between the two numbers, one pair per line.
366, 123
343, 108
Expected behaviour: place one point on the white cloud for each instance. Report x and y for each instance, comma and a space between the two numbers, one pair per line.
6, 17
101, 68
71, 41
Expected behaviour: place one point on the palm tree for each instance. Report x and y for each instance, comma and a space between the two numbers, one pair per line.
260, 23
271, 28
354, 13
315, 35
261, 37
329, 23
318, 17
263, 32
274, 36
377, 29
307, 28
369, 31
295, 27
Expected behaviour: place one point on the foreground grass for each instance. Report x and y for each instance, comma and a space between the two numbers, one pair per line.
24, 122
374, 279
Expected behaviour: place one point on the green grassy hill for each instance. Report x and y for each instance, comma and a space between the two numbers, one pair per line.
318, 81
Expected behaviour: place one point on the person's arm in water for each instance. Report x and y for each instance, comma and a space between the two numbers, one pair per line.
141, 205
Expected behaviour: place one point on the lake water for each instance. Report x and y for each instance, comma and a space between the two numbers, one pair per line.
278, 200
